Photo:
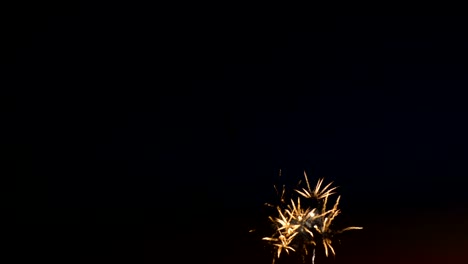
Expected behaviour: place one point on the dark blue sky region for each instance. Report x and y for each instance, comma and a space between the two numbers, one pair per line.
190, 126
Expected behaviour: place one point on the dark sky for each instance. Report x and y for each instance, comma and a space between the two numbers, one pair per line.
163, 138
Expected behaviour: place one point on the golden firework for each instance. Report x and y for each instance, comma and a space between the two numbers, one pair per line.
300, 228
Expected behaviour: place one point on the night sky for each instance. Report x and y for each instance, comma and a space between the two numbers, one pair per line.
161, 140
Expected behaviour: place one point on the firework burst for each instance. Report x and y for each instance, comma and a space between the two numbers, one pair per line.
301, 229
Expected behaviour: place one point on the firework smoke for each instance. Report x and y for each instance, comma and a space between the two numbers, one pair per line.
304, 223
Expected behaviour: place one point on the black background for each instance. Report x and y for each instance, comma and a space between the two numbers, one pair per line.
160, 136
